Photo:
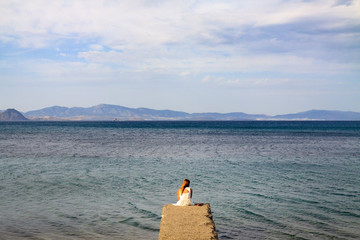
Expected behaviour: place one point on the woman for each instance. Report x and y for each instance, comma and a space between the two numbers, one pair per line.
185, 194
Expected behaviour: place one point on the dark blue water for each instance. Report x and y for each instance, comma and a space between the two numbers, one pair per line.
109, 180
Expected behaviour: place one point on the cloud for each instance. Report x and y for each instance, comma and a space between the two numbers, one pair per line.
343, 2
103, 57
131, 24
49, 71
96, 47
192, 37
243, 82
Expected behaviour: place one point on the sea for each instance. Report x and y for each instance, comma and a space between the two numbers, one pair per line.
110, 180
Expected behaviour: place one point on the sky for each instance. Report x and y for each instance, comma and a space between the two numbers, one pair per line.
253, 56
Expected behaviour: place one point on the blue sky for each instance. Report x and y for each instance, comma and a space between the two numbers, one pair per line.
272, 57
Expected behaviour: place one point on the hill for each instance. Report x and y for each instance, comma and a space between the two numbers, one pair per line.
107, 112
12, 115
320, 115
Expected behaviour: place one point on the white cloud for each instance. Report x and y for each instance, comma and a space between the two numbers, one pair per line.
96, 47
185, 38
134, 24
179, 63
246, 82
103, 57
65, 72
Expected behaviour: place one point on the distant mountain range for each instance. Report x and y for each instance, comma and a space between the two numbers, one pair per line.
107, 112
114, 112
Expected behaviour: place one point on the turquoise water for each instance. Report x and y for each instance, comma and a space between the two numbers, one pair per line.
109, 180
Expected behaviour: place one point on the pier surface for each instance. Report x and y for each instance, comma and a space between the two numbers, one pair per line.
192, 222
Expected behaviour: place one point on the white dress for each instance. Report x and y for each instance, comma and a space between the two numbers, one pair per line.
185, 199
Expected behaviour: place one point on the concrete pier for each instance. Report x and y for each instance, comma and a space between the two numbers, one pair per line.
193, 222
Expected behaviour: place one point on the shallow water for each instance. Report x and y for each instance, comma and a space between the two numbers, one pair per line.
109, 180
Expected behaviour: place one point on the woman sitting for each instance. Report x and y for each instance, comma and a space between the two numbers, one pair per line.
185, 194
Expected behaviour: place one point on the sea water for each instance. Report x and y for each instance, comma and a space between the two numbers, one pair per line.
109, 180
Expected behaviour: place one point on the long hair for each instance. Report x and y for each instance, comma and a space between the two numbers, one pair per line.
185, 184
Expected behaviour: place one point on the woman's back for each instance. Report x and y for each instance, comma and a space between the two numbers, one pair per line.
185, 198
